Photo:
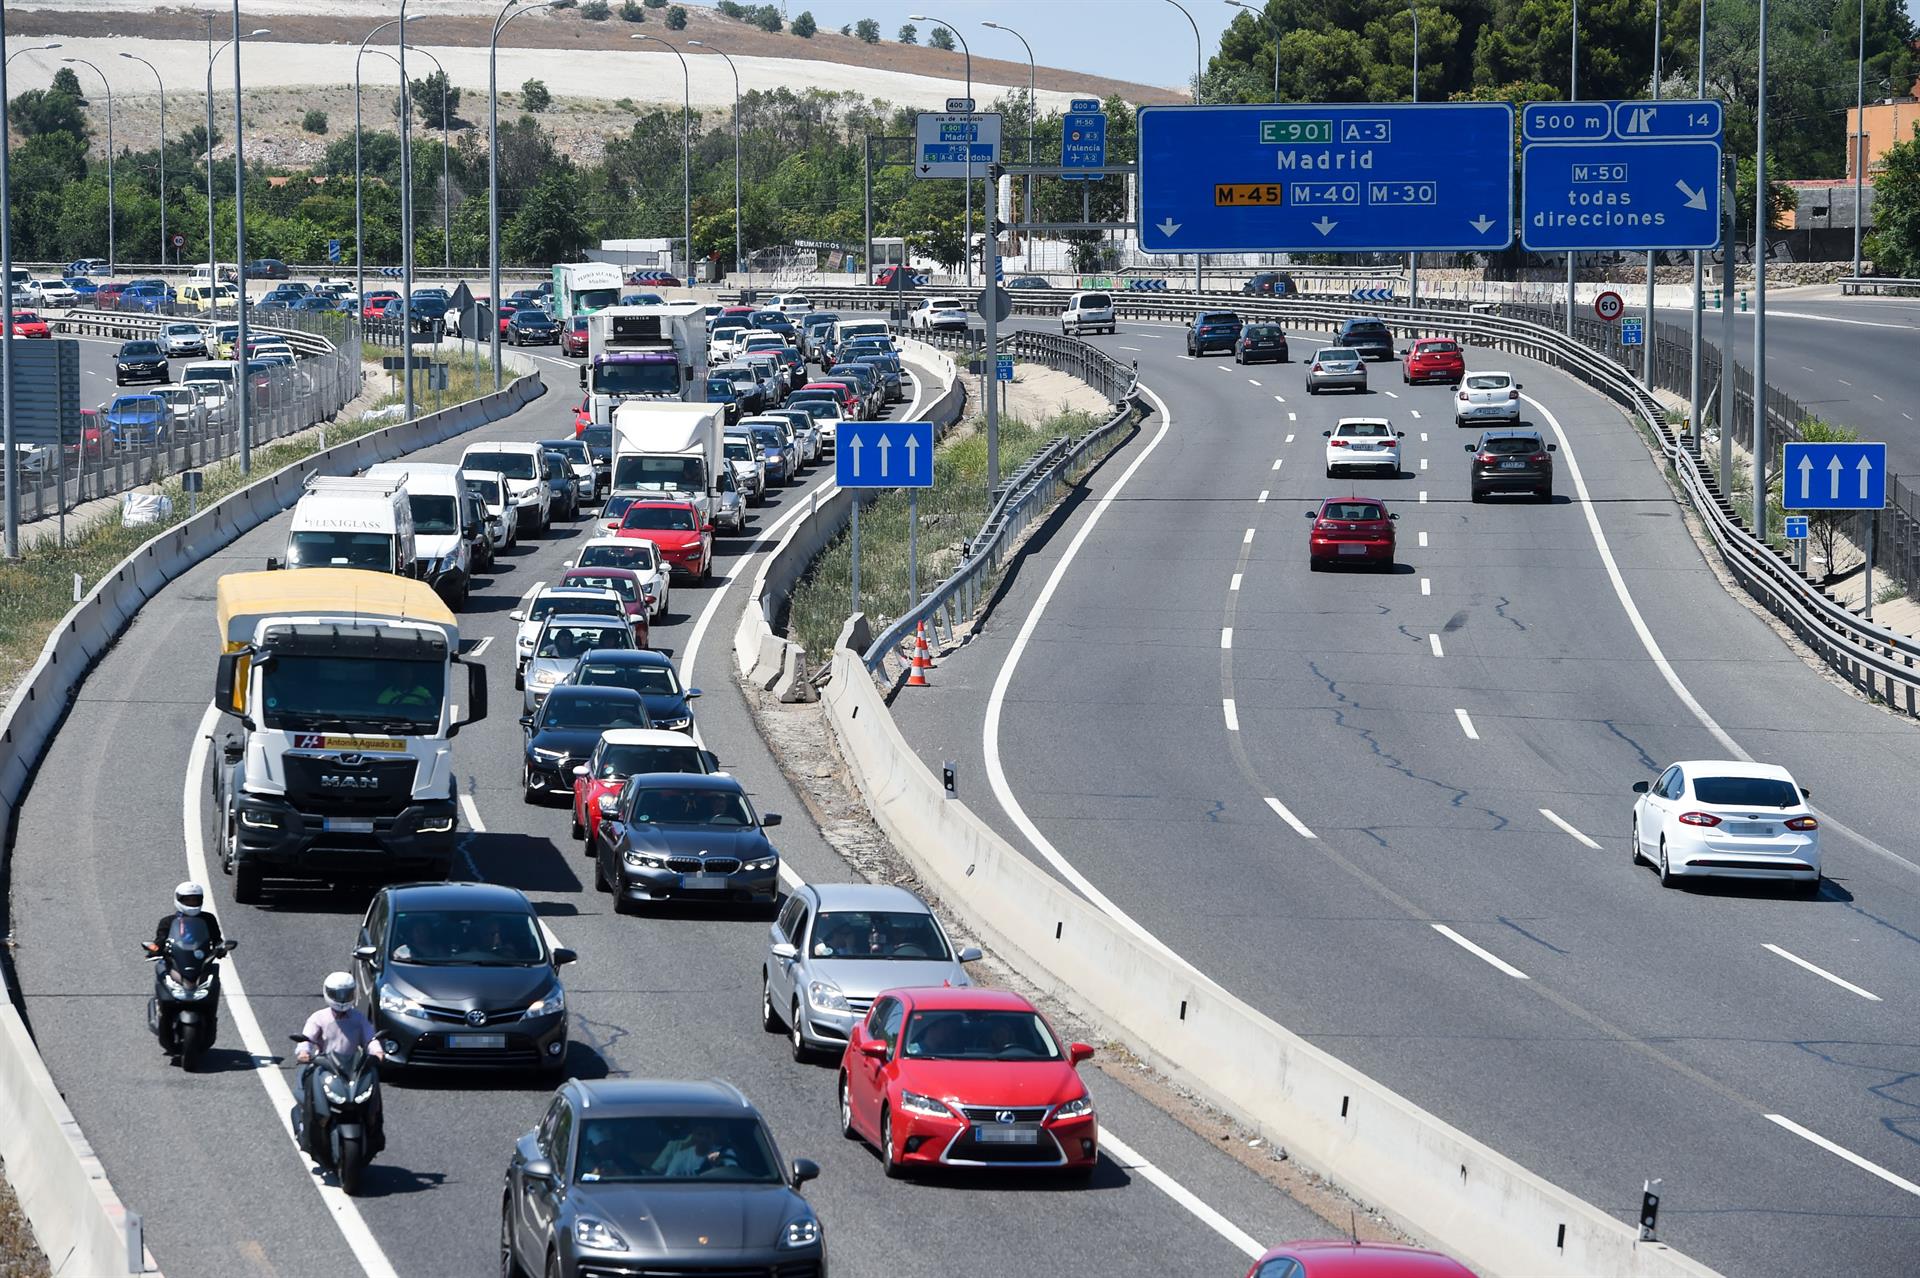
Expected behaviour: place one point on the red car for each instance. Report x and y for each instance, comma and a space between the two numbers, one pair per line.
29, 324
375, 299
1434, 359
1344, 1258
966, 1077
844, 392
1355, 530
685, 542
623, 582
573, 337
107, 296
582, 416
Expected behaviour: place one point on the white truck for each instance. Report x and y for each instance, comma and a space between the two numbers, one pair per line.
651, 352
338, 688
581, 288
443, 534
669, 451
344, 521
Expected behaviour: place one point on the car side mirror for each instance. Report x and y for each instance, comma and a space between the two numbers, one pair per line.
1307, 513
1641, 787
540, 1169
1805, 793
971, 954
783, 951
1553, 448
273, 564
518, 615
563, 956
874, 1048
769, 820
1393, 516
706, 527
1469, 447
1399, 434
691, 693
1079, 1052
1519, 386
579, 769
366, 953
1327, 433
804, 1170
526, 721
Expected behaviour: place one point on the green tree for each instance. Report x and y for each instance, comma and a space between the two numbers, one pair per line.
767, 18
433, 96
40, 111
1779, 196
67, 80
314, 121
632, 11
656, 4
867, 31
941, 38
534, 96
1894, 244
676, 18
909, 34
596, 11
548, 228
804, 25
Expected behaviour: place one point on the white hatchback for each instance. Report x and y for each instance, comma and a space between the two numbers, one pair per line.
1719, 818
1363, 443
1487, 397
943, 314
640, 557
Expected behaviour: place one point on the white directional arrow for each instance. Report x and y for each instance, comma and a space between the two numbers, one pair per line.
913, 456
853, 447
1323, 225
1866, 472
1695, 199
1482, 224
1168, 227
1833, 472
884, 445
1806, 477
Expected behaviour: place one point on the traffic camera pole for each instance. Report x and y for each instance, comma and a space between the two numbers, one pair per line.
990, 263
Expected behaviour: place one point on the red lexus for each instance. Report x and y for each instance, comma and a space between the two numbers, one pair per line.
1434, 359
966, 1077
1351, 530
685, 542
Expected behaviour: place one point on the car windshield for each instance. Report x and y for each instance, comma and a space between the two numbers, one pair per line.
673, 805
616, 506
626, 674
634, 760
572, 642
1362, 430
1355, 510
597, 437
1337, 353
174, 330
563, 710
572, 449
626, 587
722, 387
217, 373
489, 490
512, 465
304, 693
466, 938
591, 605
1509, 444
658, 518
135, 404
633, 553
434, 513
769, 437
878, 934
1746, 792
646, 1148
1488, 381
324, 548
140, 350
739, 450
969, 1035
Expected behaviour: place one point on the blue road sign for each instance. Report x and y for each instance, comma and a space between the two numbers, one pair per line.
1345, 177
1631, 333
1084, 104
1834, 477
1083, 144
1003, 368
1620, 175
333, 250
884, 455
1796, 527
392, 272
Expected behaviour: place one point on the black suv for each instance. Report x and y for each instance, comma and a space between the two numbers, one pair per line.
1371, 337
140, 361
1511, 461
1270, 284
1213, 331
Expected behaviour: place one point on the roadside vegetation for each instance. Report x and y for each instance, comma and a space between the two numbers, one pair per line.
20, 1255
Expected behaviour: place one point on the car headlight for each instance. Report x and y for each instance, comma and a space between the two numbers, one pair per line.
548, 756
259, 820
555, 1001
399, 1004
598, 1235
764, 863
1075, 1108
545, 679
804, 1232
915, 1103
674, 725
826, 997
645, 861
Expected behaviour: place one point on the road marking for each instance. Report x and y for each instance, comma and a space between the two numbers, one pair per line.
1279, 399
1433, 641
1131, 1160
1186, 357
1554, 817
1235, 583
1130, 348
1805, 369
1299, 826
470, 811
1423, 463
1221, 368
1423, 434
1276, 462
1251, 382
1843, 381
1466, 725
1248, 539
1293, 417
1821, 972
1416, 417
346, 1216
1226, 636
1477, 952
1233, 715
1426, 586
1287, 440
486, 641
1423, 536
1898, 1182
1423, 501
1262, 499
1391, 395
1880, 400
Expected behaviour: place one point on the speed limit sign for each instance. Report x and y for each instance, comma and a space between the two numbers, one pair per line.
179, 241
1608, 306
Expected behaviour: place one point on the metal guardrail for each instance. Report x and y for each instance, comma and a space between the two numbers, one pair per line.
1855, 285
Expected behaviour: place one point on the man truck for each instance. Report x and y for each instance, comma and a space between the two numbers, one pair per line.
645, 352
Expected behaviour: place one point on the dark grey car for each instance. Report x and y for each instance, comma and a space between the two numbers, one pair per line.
1511, 461
637, 1177
1336, 368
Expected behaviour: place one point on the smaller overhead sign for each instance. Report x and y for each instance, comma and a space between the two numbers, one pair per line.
960, 104
1083, 144
1631, 332
1084, 104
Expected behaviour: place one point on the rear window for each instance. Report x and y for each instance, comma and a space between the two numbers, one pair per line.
1263, 330
1440, 348
1368, 328
1220, 317
1095, 301
1489, 381
1510, 445
1746, 792
1361, 430
1354, 510
1338, 352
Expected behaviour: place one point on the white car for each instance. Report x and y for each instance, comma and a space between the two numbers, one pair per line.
57, 294
504, 515
945, 314
637, 555
189, 404
1712, 817
1363, 443
793, 304
184, 340
1088, 313
551, 599
1487, 397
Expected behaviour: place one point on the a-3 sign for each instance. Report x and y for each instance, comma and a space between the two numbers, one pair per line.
1834, 477
881, 454
1621, 175
955, 145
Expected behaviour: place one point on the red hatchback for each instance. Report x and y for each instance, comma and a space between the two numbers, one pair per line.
1434, 359
685, 542
1344, 1258
1351, 530
966, 1077
624, 582
375, 300
29, 324
573, 337
848, 397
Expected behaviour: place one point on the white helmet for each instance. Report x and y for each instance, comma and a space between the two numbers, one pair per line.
188, 897
338, 988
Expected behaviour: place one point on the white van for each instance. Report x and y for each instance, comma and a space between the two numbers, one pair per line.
214, 377
844, 329
1088, 313
351, 522
443, 531
524, 468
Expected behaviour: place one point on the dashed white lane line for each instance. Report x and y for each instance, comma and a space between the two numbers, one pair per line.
1248, 539
1235, 583
1433, 641
1423, 434
1898, 1182
1279, 399
1843, 381
1479, 953
1423, 536
1821, 972
1233, 715
1426, 585
1293, 417
1423, 463
1131, 1160
1226, 636
1277, 461
1466, 725
1262, 499
1135, 349
1251, 382
1299, 826
1287, 440
1416, 417
1423, 501
471, 813
1391, 395
1555, 817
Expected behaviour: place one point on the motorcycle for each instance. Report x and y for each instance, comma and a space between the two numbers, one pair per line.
184, 1012
345, 1094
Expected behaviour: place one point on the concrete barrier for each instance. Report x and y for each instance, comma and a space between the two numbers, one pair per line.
1431, 1178
79, 1221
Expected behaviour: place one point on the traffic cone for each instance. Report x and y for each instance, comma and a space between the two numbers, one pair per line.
922, 659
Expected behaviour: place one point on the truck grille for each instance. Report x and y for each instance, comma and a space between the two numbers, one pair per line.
369, 785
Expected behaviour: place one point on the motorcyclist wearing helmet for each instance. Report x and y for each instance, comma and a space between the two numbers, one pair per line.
341, 1028
189, 902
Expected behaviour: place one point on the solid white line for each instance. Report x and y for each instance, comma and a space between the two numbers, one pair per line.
1433, 640
472, 812
1130, 348
1466, 725
1475, 950
1554, 817
1132, 1161
1898, 1182
1276, 463
1423, 536
739, 568
346, 1216
1235, 583
1248, 539
1262, 499
1299, 826
1821, 972
1843, 381
1233, 715
1426, 586
1226, 636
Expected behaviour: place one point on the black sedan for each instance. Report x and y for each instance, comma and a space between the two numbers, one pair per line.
566, 728
459, 976
140, 361
531, 326
1029, 281
268, 268
676, 835
642, 670
1260, 343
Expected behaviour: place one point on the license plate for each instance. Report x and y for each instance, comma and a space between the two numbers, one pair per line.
1006, 1135
1750, 828
704, 883
347, 825
1350, 548
477, 1042
1513, 465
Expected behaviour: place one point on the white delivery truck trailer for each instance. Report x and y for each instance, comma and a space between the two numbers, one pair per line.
670, 451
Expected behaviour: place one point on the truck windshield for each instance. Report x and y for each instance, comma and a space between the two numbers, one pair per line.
595, 299
650, 377
660, 474
320, 548
433, 513
512, 465
315, 693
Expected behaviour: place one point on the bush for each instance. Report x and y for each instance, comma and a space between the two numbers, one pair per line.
596, 11
941, 38
909, 34
867, 30
804, 26
730, 9
534, 96
676, 18
314, 121
766, 17
564, 4
632, 12
656, 4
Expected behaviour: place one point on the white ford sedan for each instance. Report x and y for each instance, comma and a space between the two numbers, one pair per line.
1718, 818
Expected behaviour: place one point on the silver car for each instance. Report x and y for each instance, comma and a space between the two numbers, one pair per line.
744, 460
1487, 397
836, 946
1336, 368
729, 511
189, 408
564, 639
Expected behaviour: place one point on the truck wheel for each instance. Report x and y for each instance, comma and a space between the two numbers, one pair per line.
247, 882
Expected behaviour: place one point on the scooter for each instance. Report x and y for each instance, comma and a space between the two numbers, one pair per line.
345, 1093
184, 1012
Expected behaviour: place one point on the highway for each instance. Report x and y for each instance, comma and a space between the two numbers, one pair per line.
117, 816
1392, 810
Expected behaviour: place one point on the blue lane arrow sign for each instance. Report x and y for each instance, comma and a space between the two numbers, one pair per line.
1835, 477
884, 455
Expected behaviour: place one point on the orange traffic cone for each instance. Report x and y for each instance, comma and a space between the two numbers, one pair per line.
922, 659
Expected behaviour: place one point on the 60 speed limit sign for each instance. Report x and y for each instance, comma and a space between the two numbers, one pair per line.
1608, 306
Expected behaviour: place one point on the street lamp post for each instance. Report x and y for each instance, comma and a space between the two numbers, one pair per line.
163, 150
739, 261
1859, 138
243, 379
507, 14
359, 234
1256, 9
406, 214
1198, 55
446, 181
966, 52
686, 147
110, 218
1033, 106
32, 48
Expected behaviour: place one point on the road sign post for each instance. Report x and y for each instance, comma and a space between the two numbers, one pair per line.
1003, 368
880, 454
1600, 176
1631, 331
1329, 177
1836, 476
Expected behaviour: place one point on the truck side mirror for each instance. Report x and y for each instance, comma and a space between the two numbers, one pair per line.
273, 564
230, 681
583, 377
476, 696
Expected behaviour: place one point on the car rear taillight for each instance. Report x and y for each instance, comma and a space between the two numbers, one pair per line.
1513, 394
1462, 397
1486, 459
1803, 823
1389, 443
1699, 818
1317, 368
1336, 443
1538, 457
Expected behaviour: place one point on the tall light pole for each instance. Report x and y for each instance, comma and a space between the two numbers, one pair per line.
966, 52
1033, 106
446, 181
32, 48
1573, 95
406, 213
739, 261
686, 147
507, 14
243, 380
110, 218
1860, 136
163, 149
359, 232
1258, 11
1198, 56
1649, 341
9, 464
1760, 228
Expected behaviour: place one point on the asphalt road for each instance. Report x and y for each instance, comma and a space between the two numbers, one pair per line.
204, 1158
1296, 780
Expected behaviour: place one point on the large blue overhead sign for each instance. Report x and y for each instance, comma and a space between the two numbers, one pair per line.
1620, 175
1083, 140
1342, 177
